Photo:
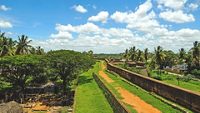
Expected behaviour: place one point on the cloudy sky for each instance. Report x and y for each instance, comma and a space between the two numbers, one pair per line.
104, 26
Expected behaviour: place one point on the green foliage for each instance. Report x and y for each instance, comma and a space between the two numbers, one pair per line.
20, 70
196, 73
66, 65
89, 98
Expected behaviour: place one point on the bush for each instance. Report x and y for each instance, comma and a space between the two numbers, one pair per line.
157, 77
186, 78
196, 73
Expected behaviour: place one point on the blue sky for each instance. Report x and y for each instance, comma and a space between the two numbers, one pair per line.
103, 26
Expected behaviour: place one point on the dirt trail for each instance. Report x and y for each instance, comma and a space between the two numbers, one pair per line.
103, 75
139, 105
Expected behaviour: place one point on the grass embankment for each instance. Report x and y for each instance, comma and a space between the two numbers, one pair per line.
89, 98
185, 82
144, 95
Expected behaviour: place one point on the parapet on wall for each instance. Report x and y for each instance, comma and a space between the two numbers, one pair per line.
178, 95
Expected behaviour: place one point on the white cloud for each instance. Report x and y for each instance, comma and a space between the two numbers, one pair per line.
177, 16
62, 35
193, 6
4, 8
142, 30
119, 16
5, 24
173, 4
101, 16
143, 19
80, 9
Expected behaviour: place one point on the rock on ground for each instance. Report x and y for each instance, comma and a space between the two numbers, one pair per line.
11, 107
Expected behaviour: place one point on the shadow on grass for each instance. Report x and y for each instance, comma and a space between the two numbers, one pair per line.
84, 80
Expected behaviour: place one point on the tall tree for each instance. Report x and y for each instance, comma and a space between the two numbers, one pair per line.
132, 53
182, 53
139, 55
196, 53
39, 50
159, 56
66, 64
146, 54
23, 45
126, 55
7, 46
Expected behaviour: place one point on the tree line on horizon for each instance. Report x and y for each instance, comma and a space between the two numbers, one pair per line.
160, 58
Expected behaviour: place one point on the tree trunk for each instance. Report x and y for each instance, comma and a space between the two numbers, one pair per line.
64, 86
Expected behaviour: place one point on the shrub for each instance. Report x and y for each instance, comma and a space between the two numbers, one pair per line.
196, 73
157, 77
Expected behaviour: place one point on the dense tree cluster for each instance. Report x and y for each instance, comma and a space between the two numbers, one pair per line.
22, 65
161, 58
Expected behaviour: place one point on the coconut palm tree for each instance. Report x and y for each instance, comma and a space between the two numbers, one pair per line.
132, 52
126, 54
146, 54
139, 55
159, 57
23, 45
182, 53
189, 62
196, 53
4, 47
7, 46
39, 50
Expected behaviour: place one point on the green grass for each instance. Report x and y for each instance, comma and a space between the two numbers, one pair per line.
144, 95
183, 82
89, 98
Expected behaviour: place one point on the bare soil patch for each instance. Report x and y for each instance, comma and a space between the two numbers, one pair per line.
138, 104
103, 75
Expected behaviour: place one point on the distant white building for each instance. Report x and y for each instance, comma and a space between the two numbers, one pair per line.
182, 67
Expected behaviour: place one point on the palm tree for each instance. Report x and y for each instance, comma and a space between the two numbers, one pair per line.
189, 62
32, 50
196, 53
6, 45
139, 55
126, 54
146, 54
23, 45
39, 50
182, 54
132, 52
159, 57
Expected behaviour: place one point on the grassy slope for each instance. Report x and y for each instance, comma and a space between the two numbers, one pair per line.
172, 79
165, 108
89, 98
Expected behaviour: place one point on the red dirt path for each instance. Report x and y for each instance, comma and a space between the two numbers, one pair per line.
139, 105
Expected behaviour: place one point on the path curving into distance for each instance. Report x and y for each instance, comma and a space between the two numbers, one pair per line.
129, 98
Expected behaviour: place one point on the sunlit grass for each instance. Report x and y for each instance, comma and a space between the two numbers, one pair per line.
89, 97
